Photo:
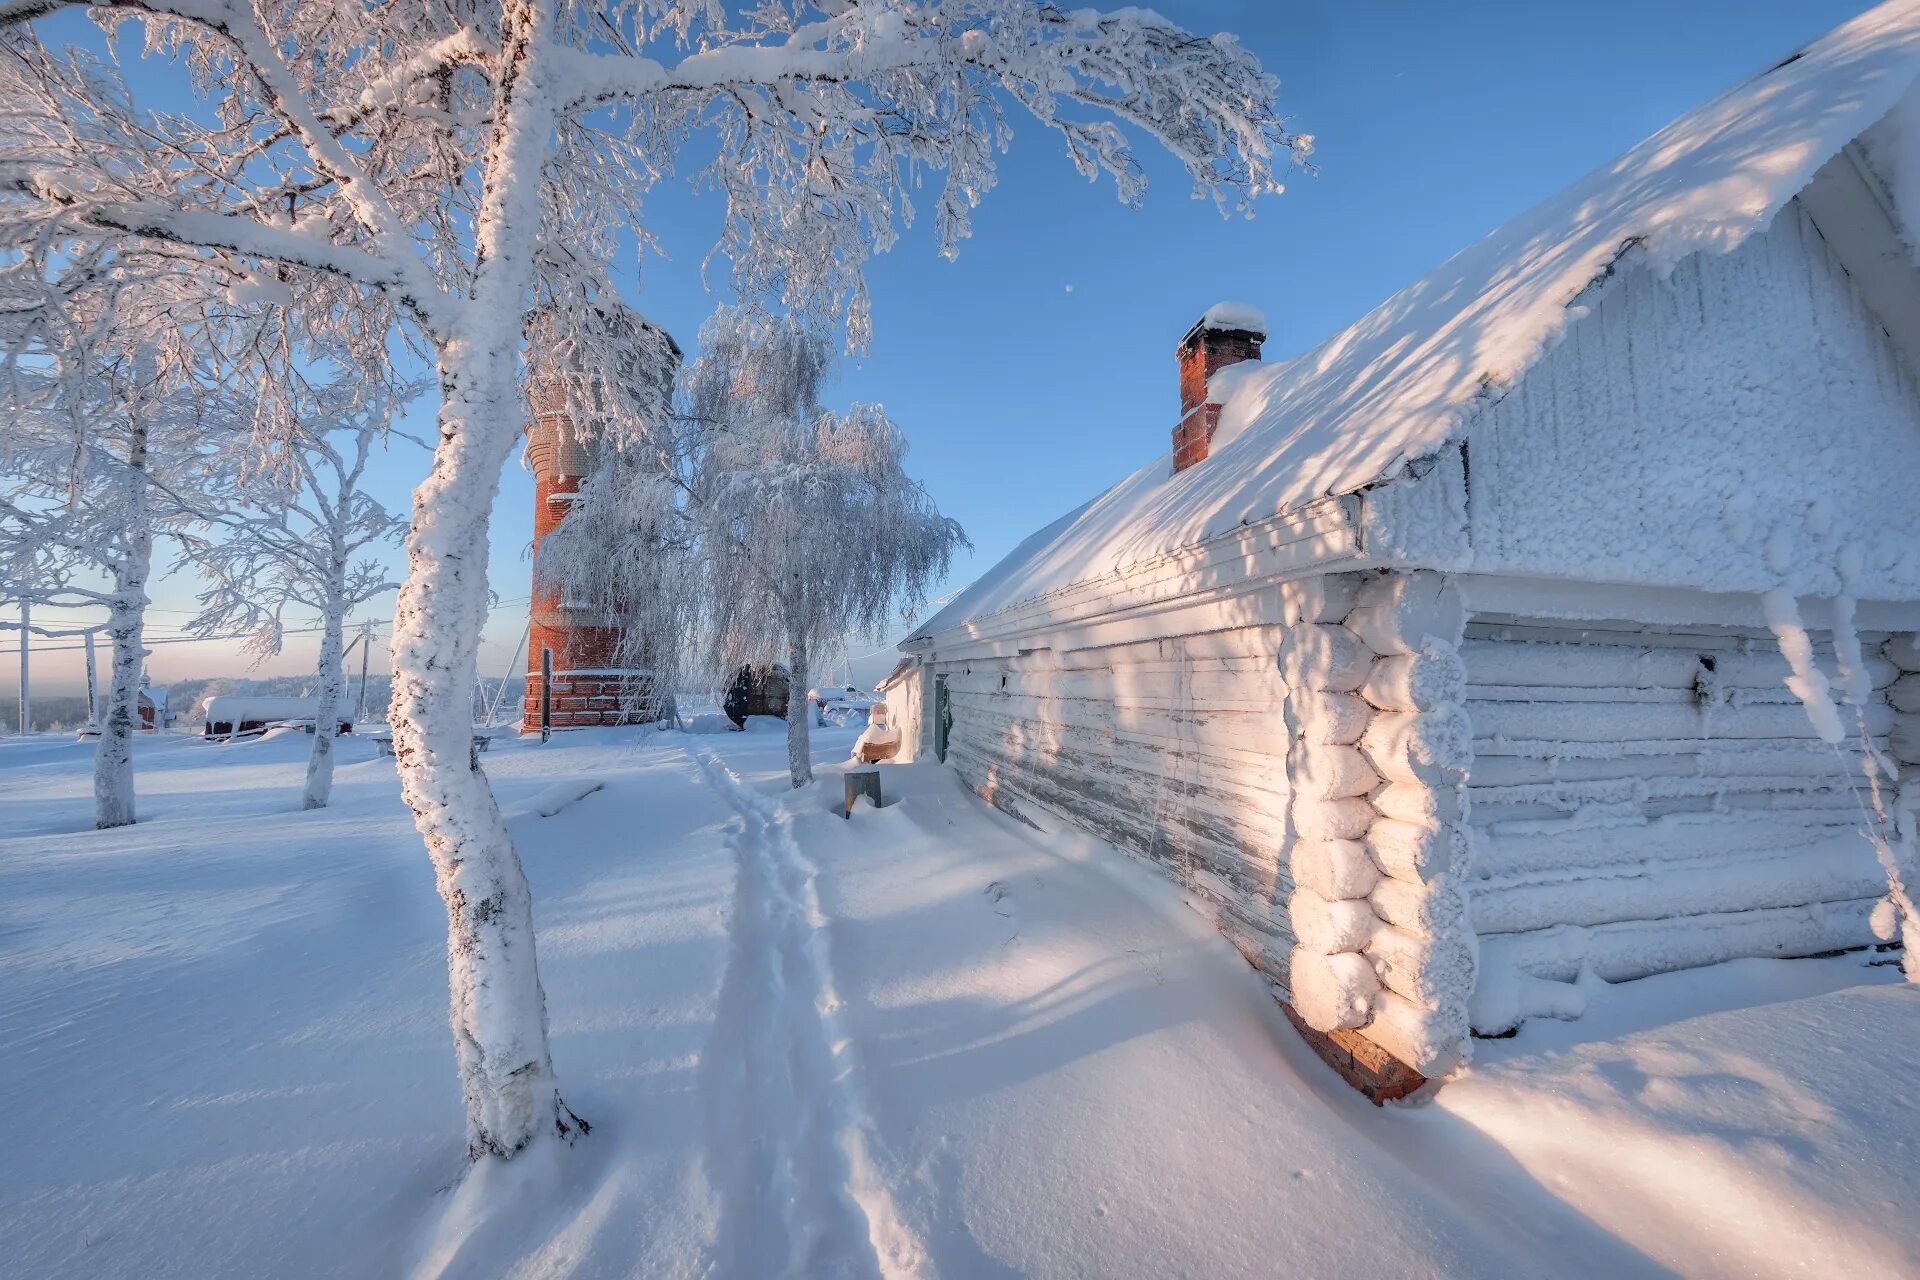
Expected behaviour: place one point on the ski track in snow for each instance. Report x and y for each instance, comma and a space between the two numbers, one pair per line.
788, 1134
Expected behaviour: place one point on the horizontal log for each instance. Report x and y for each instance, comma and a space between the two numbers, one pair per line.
1265, 947
1428, 1040
1632, 635
1329, 658
1751, 758
1569, 796
1676, 837
1903, 650
1250, 690
1427, 748
1332, 819
1904, 740
1258, 781
1261, 735
1485, 749
1334, 868
1561, 670
1330, 719
1255, 643
1330, 927
1333, 773
1837, 804
1428, 910
1428, 971
1244, 840
1835, 870
1904, 693
1416, 681
1332, 992
1400, 613
1632, 949
1416, 852
1421, 805
1326, 597
1607, 723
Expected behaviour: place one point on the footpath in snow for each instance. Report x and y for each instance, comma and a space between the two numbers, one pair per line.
928, 1041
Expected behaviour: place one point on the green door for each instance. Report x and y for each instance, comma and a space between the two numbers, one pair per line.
942, 717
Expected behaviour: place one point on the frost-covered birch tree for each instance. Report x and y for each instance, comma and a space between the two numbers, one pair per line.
451, 165
298, 539
111, 444
808, 525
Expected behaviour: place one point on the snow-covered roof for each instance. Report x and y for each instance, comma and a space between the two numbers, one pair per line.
229, 708
1401, 383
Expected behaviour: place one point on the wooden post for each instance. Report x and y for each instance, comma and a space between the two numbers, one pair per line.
546, 693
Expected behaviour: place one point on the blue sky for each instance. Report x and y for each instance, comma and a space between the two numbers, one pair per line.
1037, 369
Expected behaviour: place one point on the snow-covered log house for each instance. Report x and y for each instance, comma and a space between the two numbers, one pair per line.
1495, 646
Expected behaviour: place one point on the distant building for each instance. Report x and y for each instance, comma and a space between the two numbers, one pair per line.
152, 705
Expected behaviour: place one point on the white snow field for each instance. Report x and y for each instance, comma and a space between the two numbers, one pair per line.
926, 1041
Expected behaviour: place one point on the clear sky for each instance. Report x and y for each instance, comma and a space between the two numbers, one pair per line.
1037, 368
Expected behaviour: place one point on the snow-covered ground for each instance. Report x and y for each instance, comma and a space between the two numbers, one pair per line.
926, 1041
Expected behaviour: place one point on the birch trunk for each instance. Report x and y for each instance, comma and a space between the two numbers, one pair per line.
113, 804
326, 715
799, 715
497, 1009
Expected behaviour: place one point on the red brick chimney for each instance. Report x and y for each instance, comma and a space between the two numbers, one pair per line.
1227, 334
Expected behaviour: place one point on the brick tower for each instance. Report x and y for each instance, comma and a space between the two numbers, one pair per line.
589, 687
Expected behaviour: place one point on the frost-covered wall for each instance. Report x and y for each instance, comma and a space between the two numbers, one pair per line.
1651, 798
1741, 423
1172, 749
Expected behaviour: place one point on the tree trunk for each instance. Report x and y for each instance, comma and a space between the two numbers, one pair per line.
326, 712
498, 1010
113, 760
799, 716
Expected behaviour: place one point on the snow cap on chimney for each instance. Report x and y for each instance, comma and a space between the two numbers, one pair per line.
1227, 334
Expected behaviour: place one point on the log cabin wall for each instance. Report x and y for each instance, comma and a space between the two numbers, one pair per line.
1653, 798
1173, 750
1267, 805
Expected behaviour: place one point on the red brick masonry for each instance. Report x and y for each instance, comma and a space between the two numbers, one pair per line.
1203, 353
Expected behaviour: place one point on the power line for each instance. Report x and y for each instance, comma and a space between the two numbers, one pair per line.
145, 640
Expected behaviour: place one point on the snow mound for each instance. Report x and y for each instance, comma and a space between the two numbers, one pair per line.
1719, 1125
561, 794
1401, 383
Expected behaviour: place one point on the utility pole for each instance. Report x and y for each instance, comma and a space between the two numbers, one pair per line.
93, 687
366, 644
26, 669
